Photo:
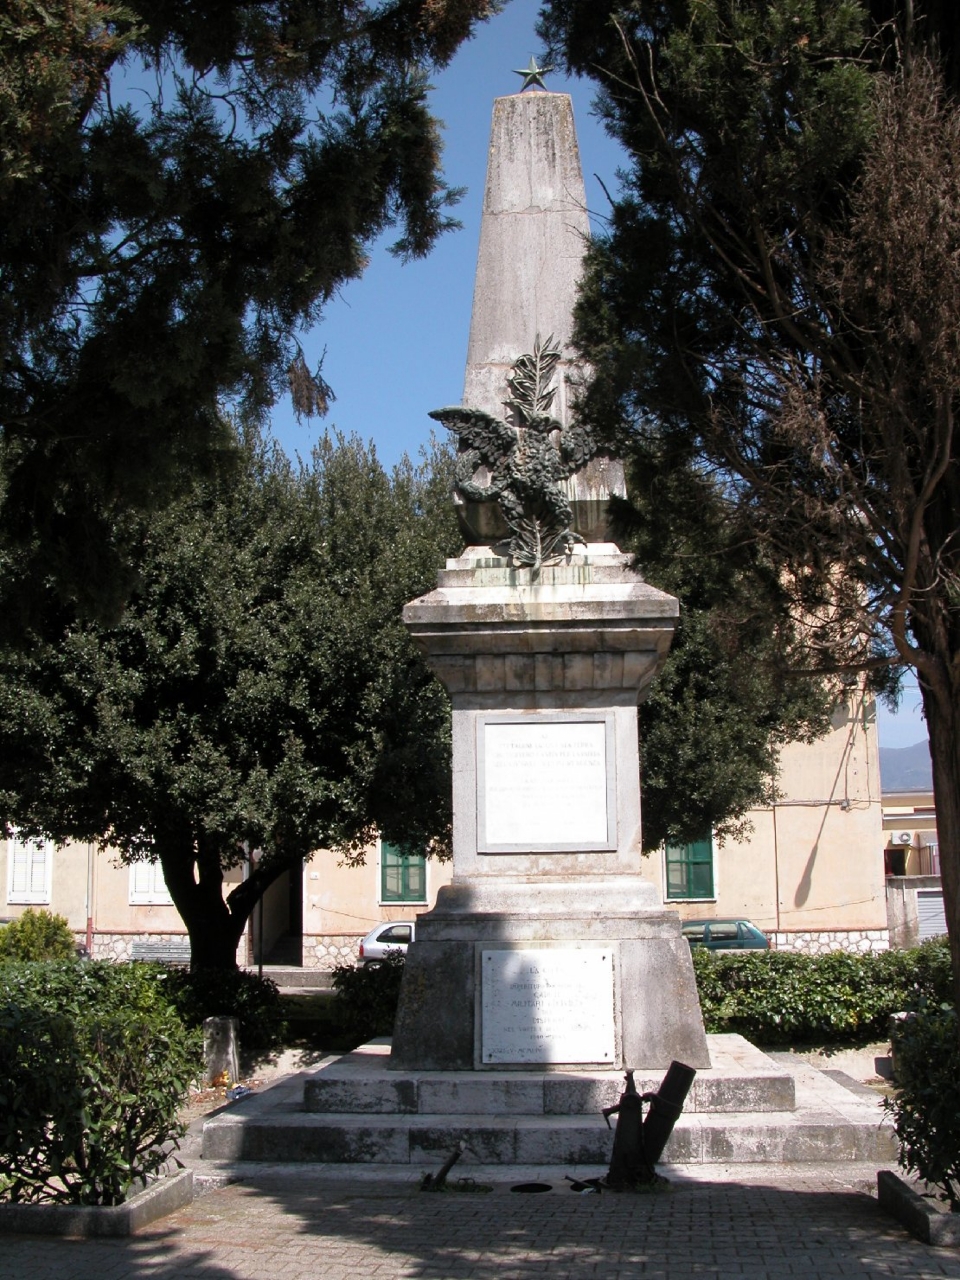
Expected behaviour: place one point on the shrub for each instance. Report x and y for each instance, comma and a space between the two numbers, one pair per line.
366, 1000
100, 986
93, 1068
777, 997
37, 935
926, 1106
221, 993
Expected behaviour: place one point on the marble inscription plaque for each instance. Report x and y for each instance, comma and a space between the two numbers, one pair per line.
544, 785
547, 1006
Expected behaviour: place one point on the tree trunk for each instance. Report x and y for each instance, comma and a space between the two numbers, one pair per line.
195, 882
942, 710
194, 876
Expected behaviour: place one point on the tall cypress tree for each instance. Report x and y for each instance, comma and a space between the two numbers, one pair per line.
182, 189
775, 312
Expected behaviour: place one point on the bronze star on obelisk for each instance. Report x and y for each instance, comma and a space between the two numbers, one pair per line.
533, 75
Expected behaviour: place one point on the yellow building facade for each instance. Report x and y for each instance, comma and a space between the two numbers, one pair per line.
810, 874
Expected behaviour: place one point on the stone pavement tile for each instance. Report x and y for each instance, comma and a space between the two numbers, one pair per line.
291, 1230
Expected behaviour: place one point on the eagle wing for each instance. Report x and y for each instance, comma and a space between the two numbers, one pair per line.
493, 440
577, 447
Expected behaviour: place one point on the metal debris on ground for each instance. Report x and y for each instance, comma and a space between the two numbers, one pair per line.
438, 1181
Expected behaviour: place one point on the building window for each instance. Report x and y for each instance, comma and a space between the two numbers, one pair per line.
147, 885
690, 869
930, 859
403, 876
29, 864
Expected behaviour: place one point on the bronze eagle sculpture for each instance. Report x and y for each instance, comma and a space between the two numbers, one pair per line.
527, 459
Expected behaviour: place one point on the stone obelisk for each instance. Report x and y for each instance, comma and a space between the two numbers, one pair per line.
548, 950
533, 235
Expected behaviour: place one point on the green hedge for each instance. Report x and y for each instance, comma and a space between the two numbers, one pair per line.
779, 997
771, 997
926, 1106
94, 1066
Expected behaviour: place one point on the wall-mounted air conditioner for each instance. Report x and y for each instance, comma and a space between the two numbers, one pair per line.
904, 837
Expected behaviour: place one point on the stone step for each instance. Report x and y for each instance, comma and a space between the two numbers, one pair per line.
784, 1137
742, 1079
828, 1123
292, 977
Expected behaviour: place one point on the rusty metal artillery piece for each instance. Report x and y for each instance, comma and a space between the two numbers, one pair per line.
638, 1143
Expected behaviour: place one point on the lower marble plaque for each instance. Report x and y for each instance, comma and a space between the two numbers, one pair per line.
552, 1005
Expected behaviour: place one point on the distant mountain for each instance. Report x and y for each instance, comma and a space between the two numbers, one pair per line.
906, 768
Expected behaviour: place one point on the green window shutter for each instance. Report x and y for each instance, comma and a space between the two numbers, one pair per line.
403, 876
690, 870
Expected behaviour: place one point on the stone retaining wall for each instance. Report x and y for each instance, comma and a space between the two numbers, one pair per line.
326, 950
119, 946
820, 942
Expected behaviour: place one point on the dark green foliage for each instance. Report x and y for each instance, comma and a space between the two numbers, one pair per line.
98, 985
183, 189
254, 1001
260, 691
37, 935
771, 997
926, 1105
94, 1066
367, 996
778, 997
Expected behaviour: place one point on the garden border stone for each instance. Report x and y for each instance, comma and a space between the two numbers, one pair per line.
155, 1201
923, 1218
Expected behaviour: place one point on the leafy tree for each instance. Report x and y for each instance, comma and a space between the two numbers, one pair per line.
258, 693
182, 189
776, 312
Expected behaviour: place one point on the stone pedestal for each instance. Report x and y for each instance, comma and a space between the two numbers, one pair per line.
545, 671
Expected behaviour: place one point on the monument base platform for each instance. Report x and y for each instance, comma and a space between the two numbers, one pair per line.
745, 1109
504, 975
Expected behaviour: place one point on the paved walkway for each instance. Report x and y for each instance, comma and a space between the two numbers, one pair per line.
756, 1223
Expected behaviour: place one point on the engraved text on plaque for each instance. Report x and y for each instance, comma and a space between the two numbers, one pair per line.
547, 1006
545, 784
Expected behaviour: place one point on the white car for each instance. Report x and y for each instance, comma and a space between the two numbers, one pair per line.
392, 937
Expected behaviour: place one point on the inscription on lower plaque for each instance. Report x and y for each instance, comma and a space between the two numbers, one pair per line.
547, 1006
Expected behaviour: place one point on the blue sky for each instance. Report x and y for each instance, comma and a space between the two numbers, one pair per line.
908, 725
396, 339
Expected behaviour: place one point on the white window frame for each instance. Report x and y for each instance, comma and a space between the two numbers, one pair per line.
25, 853
146, 887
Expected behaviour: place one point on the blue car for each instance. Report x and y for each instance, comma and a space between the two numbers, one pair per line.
725, 935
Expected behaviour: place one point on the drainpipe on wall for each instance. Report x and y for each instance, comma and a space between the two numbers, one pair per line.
776, 867
89, 943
